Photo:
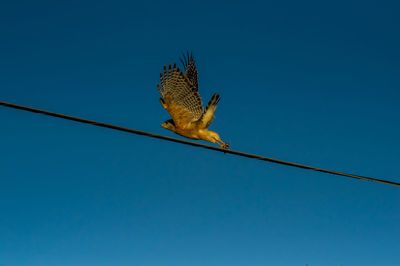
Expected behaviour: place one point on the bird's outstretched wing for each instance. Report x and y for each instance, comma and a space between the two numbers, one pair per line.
179, 97
190, 69
208, 115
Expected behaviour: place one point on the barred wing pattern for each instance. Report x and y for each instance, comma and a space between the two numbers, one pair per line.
191, 69
180, 97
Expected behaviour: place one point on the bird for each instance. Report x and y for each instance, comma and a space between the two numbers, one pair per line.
180, 97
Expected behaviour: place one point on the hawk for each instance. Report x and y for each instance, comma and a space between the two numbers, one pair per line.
180, 97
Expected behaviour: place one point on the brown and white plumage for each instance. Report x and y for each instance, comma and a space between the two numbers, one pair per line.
180, 97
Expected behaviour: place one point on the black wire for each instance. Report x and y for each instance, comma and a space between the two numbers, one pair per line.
143, 133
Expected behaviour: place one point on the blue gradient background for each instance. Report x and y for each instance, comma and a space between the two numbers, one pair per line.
313, 82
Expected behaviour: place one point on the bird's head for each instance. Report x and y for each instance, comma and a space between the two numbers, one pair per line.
169, 124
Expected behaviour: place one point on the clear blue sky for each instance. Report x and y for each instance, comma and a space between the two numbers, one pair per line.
312, 82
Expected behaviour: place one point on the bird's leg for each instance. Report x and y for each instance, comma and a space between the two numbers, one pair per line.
225, 146
214, 138
222, 144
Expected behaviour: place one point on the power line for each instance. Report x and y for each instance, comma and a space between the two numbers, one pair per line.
148, 134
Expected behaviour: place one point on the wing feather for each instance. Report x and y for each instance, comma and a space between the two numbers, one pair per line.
181, 99
208, 115
191, 69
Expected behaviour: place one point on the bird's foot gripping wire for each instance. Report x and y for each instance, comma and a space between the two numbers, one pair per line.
224, 145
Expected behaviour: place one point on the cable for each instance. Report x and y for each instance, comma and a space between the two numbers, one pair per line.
143, 133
